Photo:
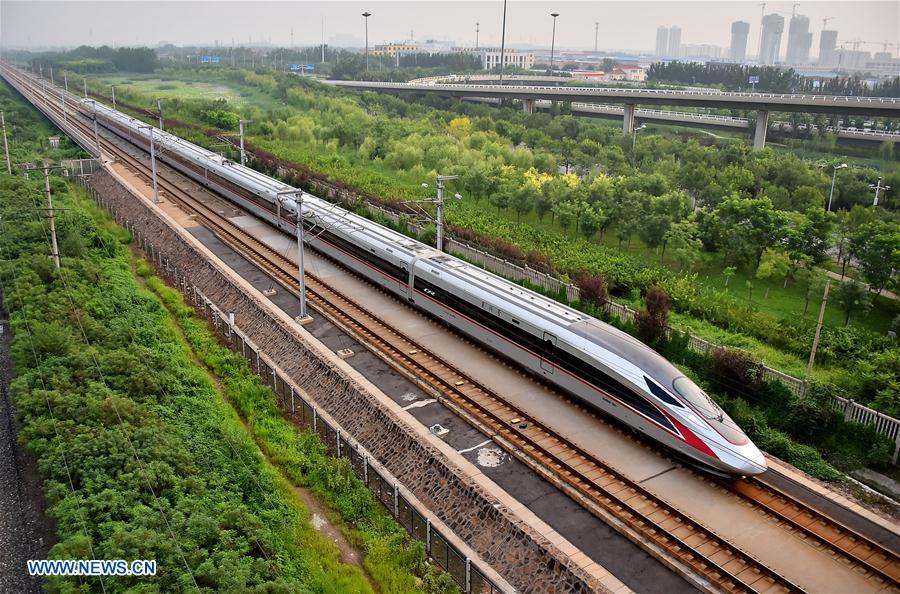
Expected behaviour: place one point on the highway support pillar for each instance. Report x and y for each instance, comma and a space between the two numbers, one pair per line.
528, 106
628, 120
762, 123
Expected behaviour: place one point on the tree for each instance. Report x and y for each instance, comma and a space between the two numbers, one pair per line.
774, 263
523, 199
851, 298
501, 196
651, 324
746, 227
877, 248
566, 212
460, 127
683, 241
728, 273
592, 220
810, 234
592, 289
815, 284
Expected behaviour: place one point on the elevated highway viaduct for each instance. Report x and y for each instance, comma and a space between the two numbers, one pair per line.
762, 103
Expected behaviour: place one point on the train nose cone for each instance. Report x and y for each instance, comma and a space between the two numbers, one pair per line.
754, 460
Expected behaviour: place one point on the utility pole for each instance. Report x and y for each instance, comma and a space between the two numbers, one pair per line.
96, 133
159, 111
440, 206
152, 164
85, 87
477, 24
833, 178
5, 144
323, 38
51, 75
878, 187
553, 40
54, 253
502, 42
366, 16
815, 345
113, 87
241, 128
596, 35
62, 96
303, 318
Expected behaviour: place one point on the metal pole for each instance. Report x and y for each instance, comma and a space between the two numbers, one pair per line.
113, 95
96, 133
85, 87
440, 213
243, 154
831, 194
596, 35
323, 38
153, 166
159, 110
553, 40
502, 42
300, 268
54, 254
878, 187
366, 15
51, 76
815, 346
5, 144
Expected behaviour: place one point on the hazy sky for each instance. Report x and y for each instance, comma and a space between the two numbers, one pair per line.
623, 25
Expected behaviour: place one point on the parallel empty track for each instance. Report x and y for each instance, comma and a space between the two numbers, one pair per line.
683, 543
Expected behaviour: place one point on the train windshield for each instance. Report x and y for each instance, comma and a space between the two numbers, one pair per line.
705, 405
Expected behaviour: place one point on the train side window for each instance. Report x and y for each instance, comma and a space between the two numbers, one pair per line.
662, 394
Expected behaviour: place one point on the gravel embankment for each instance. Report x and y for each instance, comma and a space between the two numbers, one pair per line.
25, 530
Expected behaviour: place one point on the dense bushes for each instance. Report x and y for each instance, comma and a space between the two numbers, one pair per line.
141, 457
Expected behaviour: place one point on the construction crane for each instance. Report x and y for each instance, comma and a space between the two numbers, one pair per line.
794, 9
825, 22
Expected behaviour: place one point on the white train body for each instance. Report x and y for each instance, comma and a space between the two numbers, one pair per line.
597, 363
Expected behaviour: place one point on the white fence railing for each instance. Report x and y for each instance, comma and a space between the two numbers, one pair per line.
858, 413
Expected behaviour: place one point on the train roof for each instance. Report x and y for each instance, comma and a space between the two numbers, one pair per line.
628, 348
521, 296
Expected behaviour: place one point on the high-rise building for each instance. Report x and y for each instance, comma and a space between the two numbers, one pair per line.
799, 41
702, 51
827, 46
662, 41
770, 42
674, 42
739, 32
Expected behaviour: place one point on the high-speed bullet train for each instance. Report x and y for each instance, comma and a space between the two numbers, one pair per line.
597, 363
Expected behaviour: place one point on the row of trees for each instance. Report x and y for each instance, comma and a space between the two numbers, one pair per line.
772, 79
93, 60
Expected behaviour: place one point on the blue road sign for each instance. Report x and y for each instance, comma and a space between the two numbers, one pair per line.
204, 59
753, 80
295, 66
310, 67
215, 59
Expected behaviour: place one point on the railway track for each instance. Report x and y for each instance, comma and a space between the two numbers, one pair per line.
687, 546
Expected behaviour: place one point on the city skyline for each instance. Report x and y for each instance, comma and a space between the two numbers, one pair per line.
66, 23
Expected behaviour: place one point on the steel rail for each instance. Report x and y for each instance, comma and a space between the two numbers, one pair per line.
527, 439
